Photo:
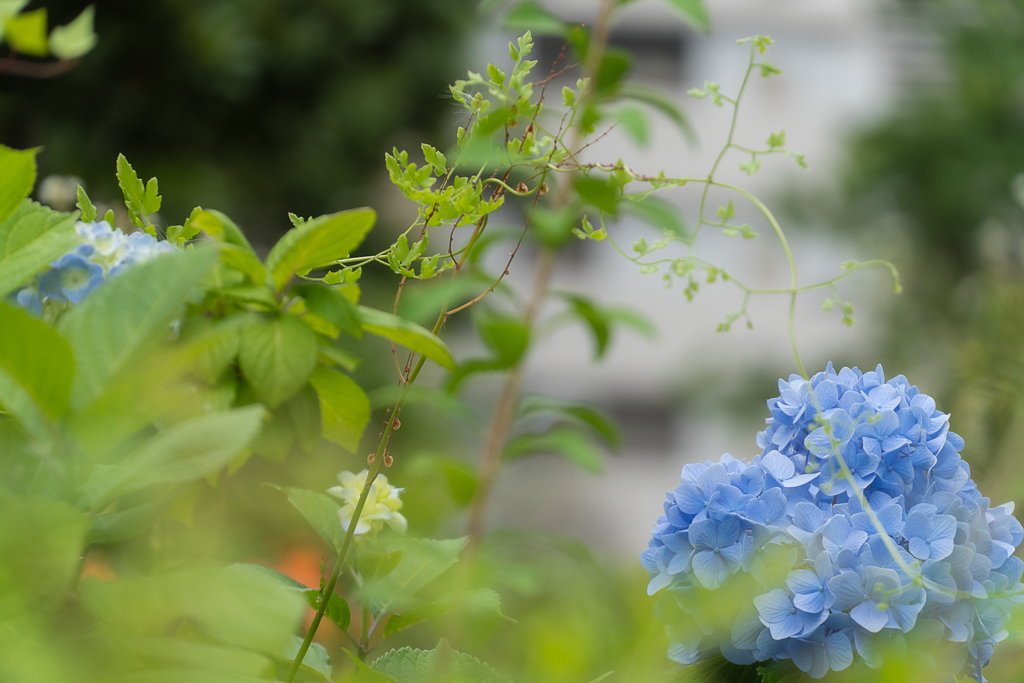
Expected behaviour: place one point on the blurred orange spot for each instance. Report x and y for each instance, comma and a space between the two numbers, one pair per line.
96, 566
302, 563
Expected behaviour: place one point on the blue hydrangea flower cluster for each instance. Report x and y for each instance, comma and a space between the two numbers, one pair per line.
103, 253
857, 526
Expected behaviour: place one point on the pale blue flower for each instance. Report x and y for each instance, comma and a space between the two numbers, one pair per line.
72, 276
717, 551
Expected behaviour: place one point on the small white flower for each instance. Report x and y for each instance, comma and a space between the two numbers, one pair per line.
382, 503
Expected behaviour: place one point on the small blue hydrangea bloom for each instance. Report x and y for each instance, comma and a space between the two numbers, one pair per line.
71, 276
103, 253
857, 527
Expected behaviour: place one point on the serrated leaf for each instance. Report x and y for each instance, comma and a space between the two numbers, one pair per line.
118, 322
442, 664
75, 38
410, 335
85, 205
344, 407
277, 355
30, 238
563, 441
318, 242
135, 193
26, 33
321, 511
37, 358
184, 452
17, 177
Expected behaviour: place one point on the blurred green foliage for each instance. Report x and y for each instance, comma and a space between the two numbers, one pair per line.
939, 180
258, 107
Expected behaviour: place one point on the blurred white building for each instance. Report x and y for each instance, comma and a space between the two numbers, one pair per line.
844, 62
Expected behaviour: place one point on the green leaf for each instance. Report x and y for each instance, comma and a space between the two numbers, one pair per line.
423, 560
410, 335
244, 261
375, 566
318, 242
344, 407
231, 605
530, 16
434, 666
41, 542
597, 192
30, 238
635, 123
332, 306
186, 451
595, 320
459, 477
122, 525
218, 226
777, 139
37, 358
321, 511
653, 97
364, 674
658, 212
332, 355
693, 12
562, 441
726, 212
479, 599
75, 38
17, 176
277, 355
337, 608
139, 199
26, 33
85, 205
582, 413
115, 325
316, 657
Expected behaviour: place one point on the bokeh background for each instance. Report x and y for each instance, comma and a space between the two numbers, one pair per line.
911, 115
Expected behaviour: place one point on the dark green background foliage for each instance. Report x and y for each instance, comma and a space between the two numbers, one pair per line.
943, 164
947, 157
254, 107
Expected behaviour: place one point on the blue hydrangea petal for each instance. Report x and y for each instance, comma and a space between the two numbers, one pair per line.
710, 568
839, 651
869, 616
848, 587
